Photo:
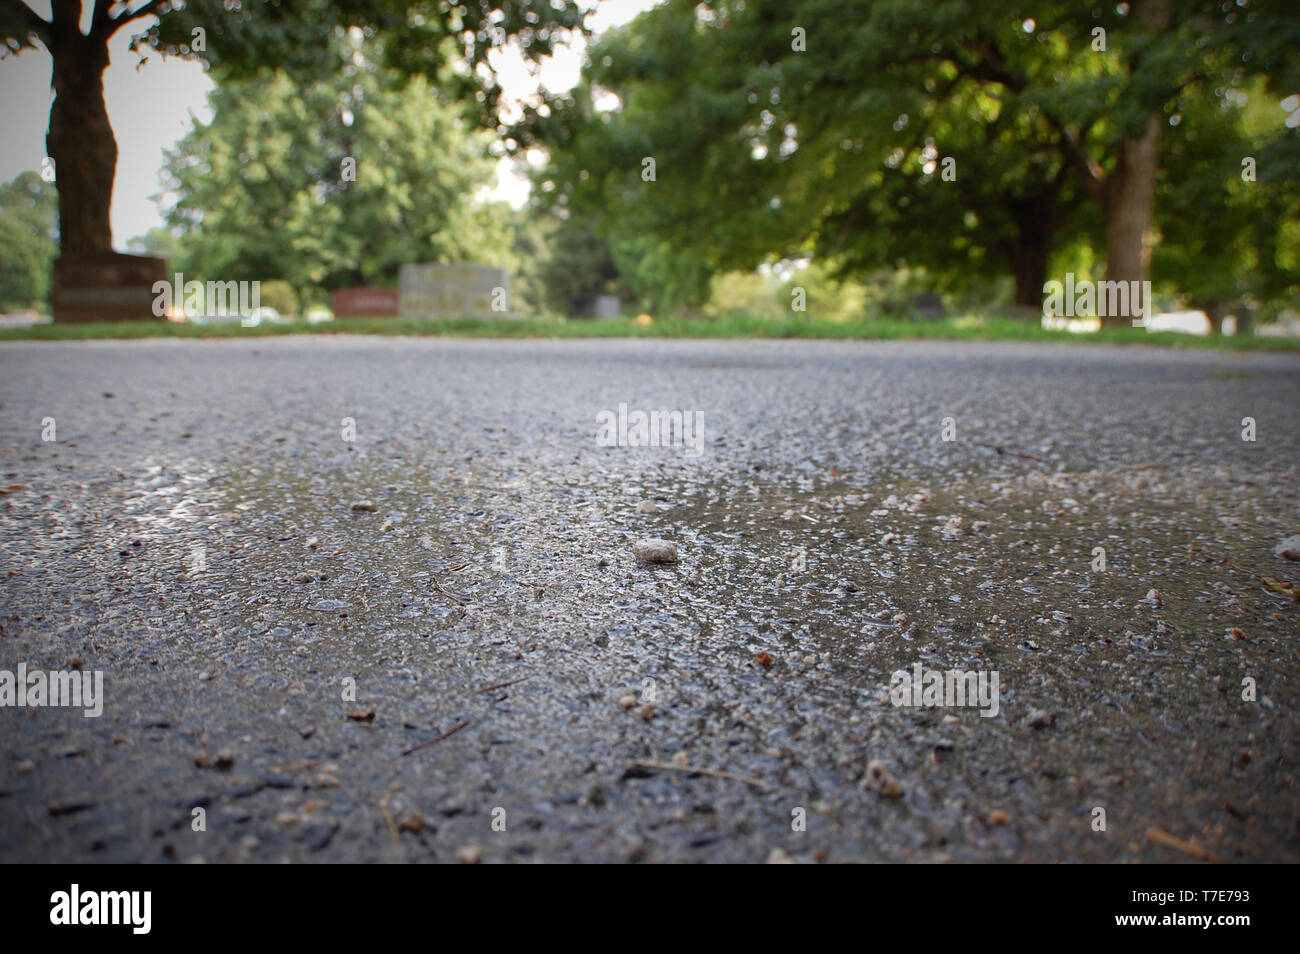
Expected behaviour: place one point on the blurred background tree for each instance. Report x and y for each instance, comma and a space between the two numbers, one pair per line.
28, 242
958, 140
572, 262
335, 182
449, 42
716, 155
1229, 207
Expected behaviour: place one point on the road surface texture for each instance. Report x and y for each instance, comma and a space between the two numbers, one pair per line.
374, 599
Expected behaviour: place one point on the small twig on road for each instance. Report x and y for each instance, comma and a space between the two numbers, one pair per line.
388, 820
452, 731
694, 770
1270, 582
995, 447
451, 594
1162, 837
502, 685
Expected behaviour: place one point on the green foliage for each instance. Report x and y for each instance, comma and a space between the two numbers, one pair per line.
280, 296
660, 274
829, 295
159, 242
749, 293
570, 261
962, 328
28, 241
1228, 234
530, 239
338, 182
838, 151
450, 45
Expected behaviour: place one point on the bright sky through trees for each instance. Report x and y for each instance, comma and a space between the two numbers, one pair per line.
150, 109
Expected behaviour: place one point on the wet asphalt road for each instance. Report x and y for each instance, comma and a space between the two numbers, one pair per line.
477, 667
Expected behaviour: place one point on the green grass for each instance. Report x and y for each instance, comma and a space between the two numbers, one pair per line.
968, 328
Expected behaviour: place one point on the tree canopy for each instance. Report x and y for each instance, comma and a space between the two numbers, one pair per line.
237, 40
28, 241
332, 182
959, 137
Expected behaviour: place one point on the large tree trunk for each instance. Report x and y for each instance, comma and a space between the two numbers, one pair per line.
1130, 201
1028, 252
80, 140
1245, 318
1129, 198
1029, 269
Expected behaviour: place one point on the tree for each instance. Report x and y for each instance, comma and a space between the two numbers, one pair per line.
240, 39
787, 128
569, 261
765, 152
334, 182
1109, 111
28, 241
158, 241
1229, 203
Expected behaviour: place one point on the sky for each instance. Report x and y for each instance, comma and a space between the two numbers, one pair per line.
151, 106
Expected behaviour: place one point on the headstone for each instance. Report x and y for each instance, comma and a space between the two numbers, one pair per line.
606, 306
927, 305
364, 302
595, 306
433, 290
107, 286
1287, 325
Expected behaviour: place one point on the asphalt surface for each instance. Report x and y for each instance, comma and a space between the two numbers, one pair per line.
526, 691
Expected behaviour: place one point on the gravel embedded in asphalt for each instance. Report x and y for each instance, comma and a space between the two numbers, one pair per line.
305, 676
